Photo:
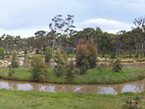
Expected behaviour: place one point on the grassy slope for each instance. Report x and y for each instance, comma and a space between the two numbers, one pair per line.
93, 76
39, 100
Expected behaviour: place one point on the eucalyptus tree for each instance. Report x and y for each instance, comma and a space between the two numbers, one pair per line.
103, 42
18, 43
9, 43
40, 37
119, 41
139, 28
62, 26
86, 34
129, 42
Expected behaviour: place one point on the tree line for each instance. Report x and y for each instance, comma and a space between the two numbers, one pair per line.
63, 35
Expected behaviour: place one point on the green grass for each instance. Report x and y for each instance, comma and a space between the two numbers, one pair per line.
40, 100
93, 76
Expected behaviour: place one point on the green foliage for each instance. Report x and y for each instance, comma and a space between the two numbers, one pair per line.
26, 51
2, 53
38, 69
92, 57
59, 70
132, 104
81, 57
137, 54
71, 71
60, 65
15, 63
48, 54
11, 71
117, 66
65, 56
113, 55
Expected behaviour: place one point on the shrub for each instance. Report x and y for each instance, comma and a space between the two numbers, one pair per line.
11, 71
117, 66
132, 104
71, 71
81, 57
38, 69
65, 57
15, 63
2, 53
92, 57
48, 54
59, 68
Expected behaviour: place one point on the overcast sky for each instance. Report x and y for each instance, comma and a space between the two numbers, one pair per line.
25, 17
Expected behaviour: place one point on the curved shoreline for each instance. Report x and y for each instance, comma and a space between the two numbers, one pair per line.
93, 77
17, 80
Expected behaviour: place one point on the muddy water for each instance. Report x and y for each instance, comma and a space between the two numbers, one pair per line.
138, 86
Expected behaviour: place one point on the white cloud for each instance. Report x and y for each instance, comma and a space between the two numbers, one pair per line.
104, 24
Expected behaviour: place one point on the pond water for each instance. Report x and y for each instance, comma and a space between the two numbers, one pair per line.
137, 86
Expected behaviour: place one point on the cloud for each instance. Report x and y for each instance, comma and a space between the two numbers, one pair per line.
105, 24
22, 14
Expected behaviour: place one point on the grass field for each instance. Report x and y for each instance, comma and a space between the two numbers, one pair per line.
40, 100
93, 76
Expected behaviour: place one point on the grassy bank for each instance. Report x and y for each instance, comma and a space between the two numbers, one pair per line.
93, 76
39, 100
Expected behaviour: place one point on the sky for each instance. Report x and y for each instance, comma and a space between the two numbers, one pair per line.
25, 17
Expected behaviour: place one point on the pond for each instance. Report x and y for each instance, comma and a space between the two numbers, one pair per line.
137, 86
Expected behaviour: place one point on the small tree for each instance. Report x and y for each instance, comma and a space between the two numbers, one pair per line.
71, 71
38, 69
92, 57
11, 71
48, 54
117, 66
60, 65
2, 53
15, 60
81, 57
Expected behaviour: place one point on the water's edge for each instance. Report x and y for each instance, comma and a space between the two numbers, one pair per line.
137, 86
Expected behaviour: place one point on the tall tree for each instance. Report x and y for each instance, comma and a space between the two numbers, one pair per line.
92, 57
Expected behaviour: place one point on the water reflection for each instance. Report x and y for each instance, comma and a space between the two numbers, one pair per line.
138, 86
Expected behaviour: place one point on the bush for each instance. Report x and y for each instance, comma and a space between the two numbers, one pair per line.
71, 71
65, 57
81, 57
15, 63
11, 71
38, 69
48, 54
2, 53
59, 68
117, 66
132, 104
